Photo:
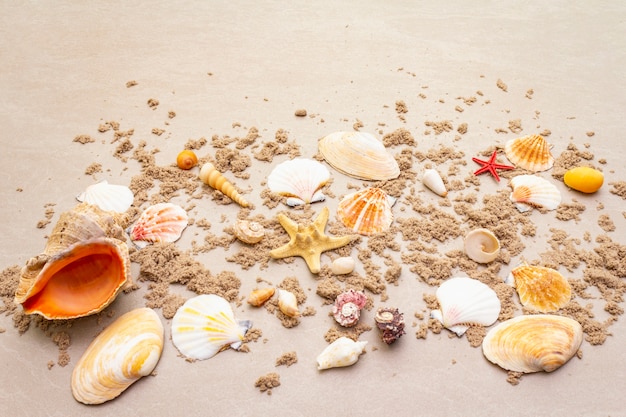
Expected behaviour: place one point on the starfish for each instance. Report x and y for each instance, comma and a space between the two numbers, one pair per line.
490, 166
309, 241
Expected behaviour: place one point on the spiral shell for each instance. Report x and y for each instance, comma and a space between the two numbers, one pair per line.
348, 306
249, 231
432, 179
259, 296
390, 322
186, 159
481, 245
212, 177
342, 352
287, 303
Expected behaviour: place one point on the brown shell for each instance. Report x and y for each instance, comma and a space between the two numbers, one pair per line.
530, 152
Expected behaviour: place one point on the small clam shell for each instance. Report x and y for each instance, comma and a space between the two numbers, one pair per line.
530, 152
584, 179
300, 180
530, 191
434, 182
342, 352
541, 288
108, 197
343, 265
248, 231
367, 211
482, 246
287, 303
162, 222
258, 297
186, 159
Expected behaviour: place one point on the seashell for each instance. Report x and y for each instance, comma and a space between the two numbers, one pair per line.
287, 303
300, 180
162, 222
258, 297
367, 211
128, 349
390, 322
212, 177
343, 265
186, 159
584, 179
348, 306
359, 155
434, 182
482, 246
83, 267
530, 191
108, 197
342, 352
248, 231
466, 302
541, 288
533, 343
206, 325
530, 152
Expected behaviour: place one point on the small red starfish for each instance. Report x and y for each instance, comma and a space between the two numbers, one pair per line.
490, 166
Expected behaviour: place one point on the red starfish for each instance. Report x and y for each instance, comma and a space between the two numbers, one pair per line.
490, 166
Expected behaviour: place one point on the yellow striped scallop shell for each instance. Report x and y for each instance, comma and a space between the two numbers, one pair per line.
367, 211
530, 152
541, 288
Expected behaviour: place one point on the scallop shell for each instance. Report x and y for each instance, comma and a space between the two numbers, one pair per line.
163, 222
367, 211
584, 179
359, 155
259, 296
434, 182
205, 325
533, 343
108, 197
481, 245
342, 352
300, 180
212, 177
287, 303
530, 191
343, 265
530, 152
248, 231
541, 288
466, 302
128, 349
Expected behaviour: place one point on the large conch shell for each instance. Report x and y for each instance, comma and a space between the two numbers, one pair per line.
84, 266
212, 177
125, 351
530, 152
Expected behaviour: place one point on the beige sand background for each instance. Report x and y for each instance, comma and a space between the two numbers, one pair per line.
224, 67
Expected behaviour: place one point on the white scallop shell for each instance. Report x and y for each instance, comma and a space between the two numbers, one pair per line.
108, 197
300, 180
532, 190
163, 222
205, 325
342, 352
466, 302
432, 179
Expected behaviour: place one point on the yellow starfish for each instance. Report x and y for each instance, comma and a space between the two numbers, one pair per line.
309, 241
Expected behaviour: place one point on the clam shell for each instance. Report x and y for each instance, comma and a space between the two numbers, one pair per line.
343, 265
342, 352
367, 211
205, 325
481, 245
359, 155
108, 197
300, 180
530, 191
584, 179
259, 296
541, 288
466, 302
125, 351
248, 231
163, 222
530, 152
434, 182
533, 343
287, 303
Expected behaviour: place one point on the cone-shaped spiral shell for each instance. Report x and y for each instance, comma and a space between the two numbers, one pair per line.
288, 303
83, 268
125, 351
359, 155
205, 325
434, 182
533, 343
259, 296
530, 152
108, 197
481, 245
162, 222
212, 177
300, 180
530, 191
367, 211
465, 302
541, 288
342, 352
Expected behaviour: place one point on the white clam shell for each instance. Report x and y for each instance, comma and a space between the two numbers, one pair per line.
432, 179
163, 222
342, 352
343, 265
531, 190
288, 303
466, 302
481, 245
300, 180
108, 197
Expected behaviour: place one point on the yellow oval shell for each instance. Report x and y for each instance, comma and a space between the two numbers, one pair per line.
584, 179
186, 159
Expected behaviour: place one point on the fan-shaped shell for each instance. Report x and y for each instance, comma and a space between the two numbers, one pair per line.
465, 302
342, 352
481, 245
205, 325
432, 179
541, 288
533, 343
162, 222
109, 197
359, 155
530, 191
259, 296
367, 211
300, 180
530, 152
125, 351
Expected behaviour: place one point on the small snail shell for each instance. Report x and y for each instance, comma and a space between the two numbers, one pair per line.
212, 177
482, 246
287, 303
186, 159
248, 231
258, 297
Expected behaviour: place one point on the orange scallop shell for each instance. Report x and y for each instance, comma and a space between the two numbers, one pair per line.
530, 152
367, 211
543, 289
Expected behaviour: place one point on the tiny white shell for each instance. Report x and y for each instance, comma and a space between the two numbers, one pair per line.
434, 182
300, 180
481, 245
163, 222
532, 190
108, 197
343, 265
287, 303
342, 352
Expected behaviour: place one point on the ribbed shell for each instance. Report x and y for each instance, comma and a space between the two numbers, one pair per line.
367, 211
108, 197
163, 222
541, 288
300, 180
530, 152
530, 191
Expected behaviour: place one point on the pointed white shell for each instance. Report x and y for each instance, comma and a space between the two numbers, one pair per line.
287, 303
205, 325
342, 352
466, 302
434, 182
108, 197
163, 222
531, 190
300, 180
367, 211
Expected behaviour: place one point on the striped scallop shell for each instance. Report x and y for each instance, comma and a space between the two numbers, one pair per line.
541, 288
205, 325
532, 191
359, 155
465, 302
163, 222
300, 180
108, 197
530, 152
367, 211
